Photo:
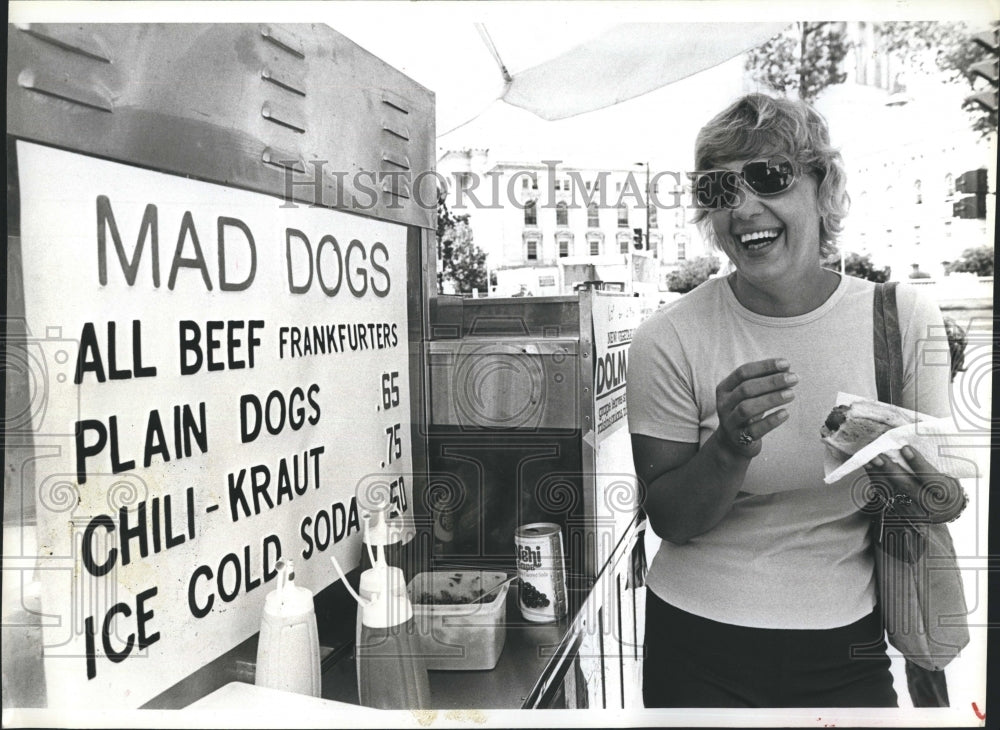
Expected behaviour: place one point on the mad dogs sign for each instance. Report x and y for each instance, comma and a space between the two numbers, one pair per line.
220, 380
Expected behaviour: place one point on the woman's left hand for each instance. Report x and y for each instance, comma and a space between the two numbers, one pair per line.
936, 497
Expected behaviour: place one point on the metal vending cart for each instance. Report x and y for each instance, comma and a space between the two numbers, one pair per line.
528, 424
216, 298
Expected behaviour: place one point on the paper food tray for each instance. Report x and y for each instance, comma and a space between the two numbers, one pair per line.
934, 438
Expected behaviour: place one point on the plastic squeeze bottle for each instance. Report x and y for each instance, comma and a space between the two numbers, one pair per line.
391, 670
380, 538
288, 646
388, 537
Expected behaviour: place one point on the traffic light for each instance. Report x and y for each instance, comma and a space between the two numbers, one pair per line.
988, 69
637, 238
973, 181
970, 207
974, 205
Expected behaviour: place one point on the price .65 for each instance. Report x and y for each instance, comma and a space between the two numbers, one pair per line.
390, 390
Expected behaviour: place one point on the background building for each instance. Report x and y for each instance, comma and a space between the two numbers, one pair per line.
905, 140
548, 225
903, 134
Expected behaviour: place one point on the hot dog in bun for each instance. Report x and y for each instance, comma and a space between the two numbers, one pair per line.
850, 428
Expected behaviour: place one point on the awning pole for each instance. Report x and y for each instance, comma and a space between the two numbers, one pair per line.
484, 34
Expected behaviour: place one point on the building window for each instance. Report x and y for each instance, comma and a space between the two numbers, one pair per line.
563, 248
593, 216
531, 250
949, 184
623, 216
595, 247
530, 213
917, 192
681, 251
562, 214
652, 217
623, 243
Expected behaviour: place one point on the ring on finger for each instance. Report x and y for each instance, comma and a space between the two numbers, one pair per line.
744, 437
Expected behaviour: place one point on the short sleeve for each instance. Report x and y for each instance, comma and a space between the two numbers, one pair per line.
926, 356
660, 392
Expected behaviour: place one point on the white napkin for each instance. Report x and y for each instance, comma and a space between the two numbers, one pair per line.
932, 437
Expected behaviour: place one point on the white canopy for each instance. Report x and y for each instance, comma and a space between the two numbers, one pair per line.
627, 61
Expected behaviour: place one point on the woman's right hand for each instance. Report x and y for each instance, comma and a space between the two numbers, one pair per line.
744, 396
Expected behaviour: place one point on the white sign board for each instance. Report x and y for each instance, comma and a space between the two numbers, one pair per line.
218, 380
615, 318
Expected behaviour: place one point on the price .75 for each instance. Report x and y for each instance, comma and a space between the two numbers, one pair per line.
394, 447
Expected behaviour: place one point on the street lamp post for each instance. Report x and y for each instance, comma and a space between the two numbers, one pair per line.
646, 203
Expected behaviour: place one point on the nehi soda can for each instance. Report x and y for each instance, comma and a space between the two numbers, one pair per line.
540, 570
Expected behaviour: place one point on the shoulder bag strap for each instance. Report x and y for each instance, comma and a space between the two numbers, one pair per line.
927, 687
888, 345
888, 350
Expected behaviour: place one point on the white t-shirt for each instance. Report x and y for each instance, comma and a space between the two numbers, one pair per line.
792, 552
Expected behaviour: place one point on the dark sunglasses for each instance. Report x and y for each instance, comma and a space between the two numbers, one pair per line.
718, 189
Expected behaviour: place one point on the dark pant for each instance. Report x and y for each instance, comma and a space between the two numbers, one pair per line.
927, 686
691, 661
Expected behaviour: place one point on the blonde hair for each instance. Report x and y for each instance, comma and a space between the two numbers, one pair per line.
756, 125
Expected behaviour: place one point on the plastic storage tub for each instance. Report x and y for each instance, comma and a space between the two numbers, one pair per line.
454, 634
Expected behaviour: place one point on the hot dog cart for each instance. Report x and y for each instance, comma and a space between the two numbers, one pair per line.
527, 424
222, 338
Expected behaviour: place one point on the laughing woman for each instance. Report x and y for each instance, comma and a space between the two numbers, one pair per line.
763, 583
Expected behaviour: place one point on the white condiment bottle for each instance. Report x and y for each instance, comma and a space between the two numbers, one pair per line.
389, 538
288, 645
391, 671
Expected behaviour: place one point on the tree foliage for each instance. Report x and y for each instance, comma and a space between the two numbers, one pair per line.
692, 273
467, 269
804, 59
860, 266
807, 58
445, 220
943, 46
463, 263
977, 261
